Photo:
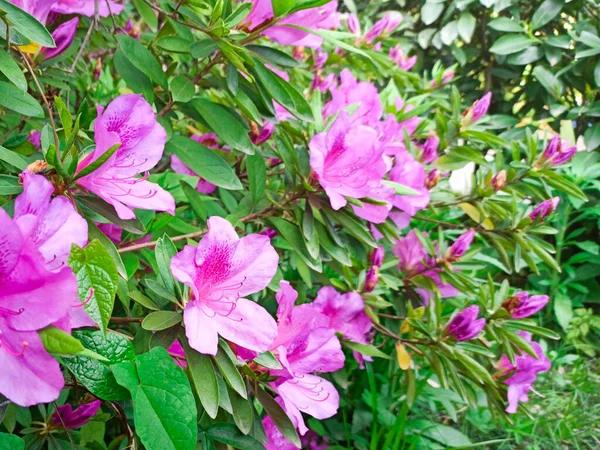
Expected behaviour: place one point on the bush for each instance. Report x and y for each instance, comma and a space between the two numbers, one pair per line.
250, 224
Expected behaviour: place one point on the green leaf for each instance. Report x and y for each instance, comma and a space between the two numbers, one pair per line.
12, 442
520, 325
65, 116
547, 11
205, 162
506, 24
203, 48
97, 279
267, 360
27, 25
237, 16
13, 98
563, 311
445, 435
364, 349
161, 320
278, 415
182, 89
511, 43
466, 26
12, 158
9, 185
174, 44
147, 14
229, 371
292, 234
225, 124
135, 79
99, 162
273, 56
281, 7
108, 212
430, 11
282, 92
12, 71
142, 59
243, 412
257, 175
59, 342
559, 182
228, 433
203, 378
165, 415
95, 375
547, 79
400, 189
164, 252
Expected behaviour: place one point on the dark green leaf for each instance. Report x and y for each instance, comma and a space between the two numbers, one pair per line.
230, 372
27, 25
12, 71
511, 43
13, 98
182, 89
257, 175
203, 378
278, 415
228, 434
142, 59
161, 320
547, 11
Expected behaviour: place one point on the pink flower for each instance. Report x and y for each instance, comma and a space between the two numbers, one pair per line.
265, 133
37, 8
86, 7
178, 166
350, 92
305, 341
346, 161
410, 253
323, 84
383, 27
376, 256
461, 245
321, 17
220, 272
523, 373
478, 110
405, 63
63, 37
130, 121
544, 209
112, 231
309, 394
447, 77
66, 417
557, 152
522, 305
37, 289
346, 313
464, 325
409, 172
36, 139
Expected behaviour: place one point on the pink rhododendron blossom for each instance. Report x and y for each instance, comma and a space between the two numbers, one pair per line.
323, 84
305, 340
465, 325
409, 172
401, 59
220, 271
86, 7
383, 27
557, 152
353, 92
321, 17
522, 305
178, 166
447, 77
353, 24
65, 416
346, 313
36, 289
36, 139
128, 120
347, 162
544, 209
63, 37
523, 373
309, 394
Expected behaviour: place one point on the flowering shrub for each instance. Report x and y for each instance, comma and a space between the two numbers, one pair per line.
227, 222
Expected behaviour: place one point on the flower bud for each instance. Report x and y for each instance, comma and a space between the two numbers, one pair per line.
353, 24
432, 179
377, 29
371, 279
298, 53
320, 59
430, 148
463, 326
557, 152
376, 257
97, 69
478, 110
269, 232
521, 305
544, 209
405, 63
447, 77
461, 245
265, 133
499, 181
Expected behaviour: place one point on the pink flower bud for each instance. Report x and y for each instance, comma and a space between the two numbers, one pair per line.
478, 110
320, 59
447, 77
499, 181
377, 256
544, 209
265, 133
430, 148
464, 327
461, 245
353, 24
269, 232
377, 29
372, 279
403, 62
557, 152
394, 20
521, 305
432, 179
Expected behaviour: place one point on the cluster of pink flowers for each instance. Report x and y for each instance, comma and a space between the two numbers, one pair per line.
34, 249
220, 272
359, 151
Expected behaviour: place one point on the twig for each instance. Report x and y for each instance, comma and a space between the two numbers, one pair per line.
41, 91
125, 320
